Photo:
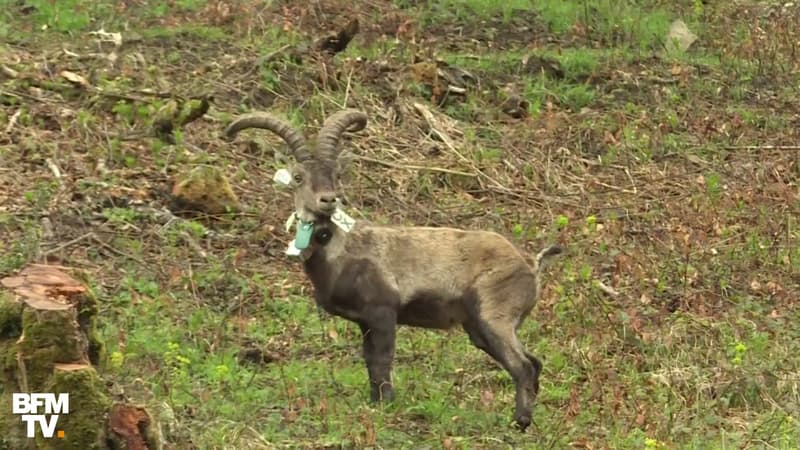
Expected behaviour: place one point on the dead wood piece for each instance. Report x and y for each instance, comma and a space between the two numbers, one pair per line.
338, 43
127, 421
535, 65
69, 367
515, 106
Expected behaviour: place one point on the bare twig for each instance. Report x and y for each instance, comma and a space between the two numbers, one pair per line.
112, 249
432, 125
347, 88
192, 243
615, 188
68, 243
13, 121
762, 147
412, 166
53, 168
611, 292
8, 71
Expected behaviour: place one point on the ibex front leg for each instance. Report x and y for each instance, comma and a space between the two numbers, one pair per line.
379, 338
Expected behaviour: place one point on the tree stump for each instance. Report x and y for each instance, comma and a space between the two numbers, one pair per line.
48, 345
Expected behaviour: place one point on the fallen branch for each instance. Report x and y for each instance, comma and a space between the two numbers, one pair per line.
432, 125
8, 71
413, 167
430, 119
112, 249
762, 147
53, 168
615, 188
193, 244
606, 289
68, 243
13, 121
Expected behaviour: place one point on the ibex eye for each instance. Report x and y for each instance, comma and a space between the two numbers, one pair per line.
298, 178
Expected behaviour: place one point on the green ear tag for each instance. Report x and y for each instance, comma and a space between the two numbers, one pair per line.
303, 236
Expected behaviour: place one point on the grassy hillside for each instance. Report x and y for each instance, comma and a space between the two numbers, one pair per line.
670, 175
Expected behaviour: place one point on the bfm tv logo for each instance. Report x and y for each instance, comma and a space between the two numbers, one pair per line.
28, 405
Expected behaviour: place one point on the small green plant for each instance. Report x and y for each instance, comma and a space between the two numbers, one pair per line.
116, 359
561, 222
739, 350
489, 155
120, 215
190, 5
62, 16
713, 185
517, 230
40, 196
142, 286
653, 444
125, 111
591, 223
177, 366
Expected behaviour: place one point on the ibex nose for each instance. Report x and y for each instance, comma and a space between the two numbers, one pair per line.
327, 200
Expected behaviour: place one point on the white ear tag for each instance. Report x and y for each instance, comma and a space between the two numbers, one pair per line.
291, 250
342, 220
283, 177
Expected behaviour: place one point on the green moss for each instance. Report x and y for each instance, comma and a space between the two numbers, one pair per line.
205, 189
86, 319
84, 426
13, 434
50, 337
8, 361
10, 330
10, 316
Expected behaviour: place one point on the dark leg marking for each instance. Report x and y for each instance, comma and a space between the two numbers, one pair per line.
378, 347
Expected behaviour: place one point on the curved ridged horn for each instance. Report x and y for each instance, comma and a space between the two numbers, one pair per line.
266, 121
328, 137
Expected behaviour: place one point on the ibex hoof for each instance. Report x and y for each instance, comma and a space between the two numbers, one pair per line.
384, 395
523, 422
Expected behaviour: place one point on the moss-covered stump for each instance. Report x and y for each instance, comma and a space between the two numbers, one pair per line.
50, 330
47, 345
84, 426
203, 190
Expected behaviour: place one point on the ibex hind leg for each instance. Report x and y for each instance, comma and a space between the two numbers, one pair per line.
500, 342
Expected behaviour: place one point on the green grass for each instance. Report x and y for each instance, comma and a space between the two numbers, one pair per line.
616, 23
468, 9
201, 32
75, 16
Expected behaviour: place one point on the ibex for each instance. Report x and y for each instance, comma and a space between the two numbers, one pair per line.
384, 276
